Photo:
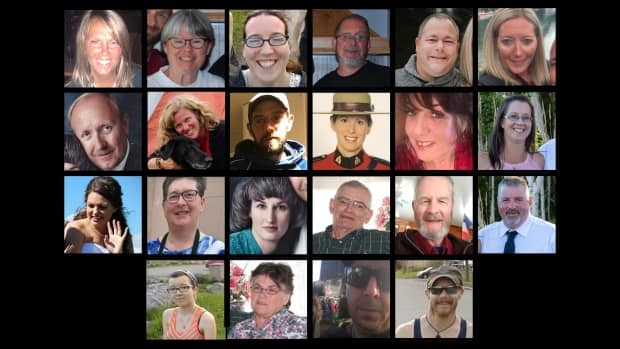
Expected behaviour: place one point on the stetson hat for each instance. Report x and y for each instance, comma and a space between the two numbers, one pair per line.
351, 103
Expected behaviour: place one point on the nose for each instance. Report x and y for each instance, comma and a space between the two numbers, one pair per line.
518, 49
150, 18
372, 288
272, 215
266, 48
100, 143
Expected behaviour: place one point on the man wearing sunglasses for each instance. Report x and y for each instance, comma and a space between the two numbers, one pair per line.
350, 209
444, 289
366, 300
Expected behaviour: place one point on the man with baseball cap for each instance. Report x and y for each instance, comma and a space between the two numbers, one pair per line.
269, 121
351, 120
444, 289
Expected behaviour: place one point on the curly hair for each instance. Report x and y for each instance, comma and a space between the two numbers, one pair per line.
206, 116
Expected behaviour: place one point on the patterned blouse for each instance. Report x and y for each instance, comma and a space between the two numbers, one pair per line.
282, 325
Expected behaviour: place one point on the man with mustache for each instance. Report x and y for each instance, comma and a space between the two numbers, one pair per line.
155, 20
366, 300
444, 289
350, 209
269, 121
436, 51
351, 42
518, 231
432, 207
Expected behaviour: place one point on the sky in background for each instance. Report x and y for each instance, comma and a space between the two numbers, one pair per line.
132, 200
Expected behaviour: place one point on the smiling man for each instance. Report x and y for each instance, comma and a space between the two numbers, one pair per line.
437, 50
432, 206
351, 121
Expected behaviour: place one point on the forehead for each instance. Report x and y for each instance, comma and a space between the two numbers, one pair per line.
518, 26
374, 265
180, 280
182, 114
264, 24
354, 193
512, 191
352, 25
518, 107
264, 281
94, 106
182, 184
96, 198
436, 26
97, 26
438, 186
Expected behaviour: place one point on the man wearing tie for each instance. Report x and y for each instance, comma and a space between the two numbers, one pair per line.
518, 231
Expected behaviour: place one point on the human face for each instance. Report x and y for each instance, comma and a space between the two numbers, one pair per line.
433, 207
431, 132
181, 297
351, 132
267, 63
348, 217
99, 210
552, 63
517, 131
369, 306
352, 53
103, 51
186, 124
155, 20
183, 214
269, 126
186, 59
264, 304
517, 42
270, 219
101, 131
443, 304
514, 205
437, 49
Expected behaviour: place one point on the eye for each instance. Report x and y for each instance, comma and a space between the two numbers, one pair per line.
437, 114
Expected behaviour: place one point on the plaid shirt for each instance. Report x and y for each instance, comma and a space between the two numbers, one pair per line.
362, 241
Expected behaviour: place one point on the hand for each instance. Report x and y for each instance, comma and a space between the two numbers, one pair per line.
300, 184
70, 248
113, 241
169, 164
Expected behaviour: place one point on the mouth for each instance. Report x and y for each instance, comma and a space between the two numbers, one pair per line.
266, 64
270, 228
423, 145
182, 213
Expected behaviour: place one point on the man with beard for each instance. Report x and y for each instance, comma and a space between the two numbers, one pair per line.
518, 231
432, 207
269, 121
155, 20
444, 289
436, 51
351, 42
366, 300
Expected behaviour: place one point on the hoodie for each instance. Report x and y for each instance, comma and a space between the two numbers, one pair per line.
247, 157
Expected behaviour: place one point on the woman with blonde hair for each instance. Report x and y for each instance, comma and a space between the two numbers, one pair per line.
466, 61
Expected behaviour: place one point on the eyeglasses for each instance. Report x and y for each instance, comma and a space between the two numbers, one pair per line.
356, 37
188, 195
183, 289
346, 202
276, 40
515, 118
194, 43
271, 291
359, 277
449, 290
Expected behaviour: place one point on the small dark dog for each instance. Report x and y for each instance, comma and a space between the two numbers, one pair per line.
186, 153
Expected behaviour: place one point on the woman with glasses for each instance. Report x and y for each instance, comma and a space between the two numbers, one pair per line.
266, 217
103, 53
185, 115
188, 320
435, 131
183, 203
512, 143
271, 288
101, 226
187, 40
266, 51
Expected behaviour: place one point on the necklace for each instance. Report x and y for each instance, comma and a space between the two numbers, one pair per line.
438, 331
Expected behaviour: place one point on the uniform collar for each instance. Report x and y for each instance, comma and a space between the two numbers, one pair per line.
349, 162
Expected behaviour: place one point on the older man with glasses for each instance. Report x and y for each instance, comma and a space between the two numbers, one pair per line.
350, 209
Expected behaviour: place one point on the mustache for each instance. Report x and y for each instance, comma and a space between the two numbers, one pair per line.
370, 304
433, 217
513, 211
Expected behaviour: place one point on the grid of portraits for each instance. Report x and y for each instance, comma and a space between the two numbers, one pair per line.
205, 140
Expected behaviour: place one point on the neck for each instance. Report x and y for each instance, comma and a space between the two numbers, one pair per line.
525, 77
281, 81
188, 309
261, 320
268, 247
180, 239
277, 157
345, 70
340, 232
107, 81
182, 77
514, 153
348, 154
441, 323
444, 163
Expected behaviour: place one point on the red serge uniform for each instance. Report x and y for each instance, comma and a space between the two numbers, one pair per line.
360, 161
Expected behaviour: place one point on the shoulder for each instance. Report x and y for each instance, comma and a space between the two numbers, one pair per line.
405, 330
541, 223
484, 162
166, 316
206, 317
487, 79
539, 159
380, 161
319, 158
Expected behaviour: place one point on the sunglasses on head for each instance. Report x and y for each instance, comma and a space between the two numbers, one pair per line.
359, 277
449, 290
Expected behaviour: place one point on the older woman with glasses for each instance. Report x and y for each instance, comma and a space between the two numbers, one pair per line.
266, 51
188, 320
184, 201
512, 141
187, 40
271, 287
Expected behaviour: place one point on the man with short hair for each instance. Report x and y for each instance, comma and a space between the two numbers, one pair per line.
102, 129
350, 209
436, 51
351, 120
351, 42
518, 231
432, 207
444, 289
155, 21
269, 122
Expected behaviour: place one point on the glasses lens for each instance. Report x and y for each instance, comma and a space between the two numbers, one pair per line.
177, 43
449, 290
197, 43
278, 40
359, 277
189, 195
254, 42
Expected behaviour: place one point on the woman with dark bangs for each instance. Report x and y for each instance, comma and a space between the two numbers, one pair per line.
266, 217
436, 131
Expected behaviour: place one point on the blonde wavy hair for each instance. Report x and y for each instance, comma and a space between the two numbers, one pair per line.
206, 116
466, 62
494, 65
82, 75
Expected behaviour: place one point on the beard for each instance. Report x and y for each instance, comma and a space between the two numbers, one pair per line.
435, 236
270, 146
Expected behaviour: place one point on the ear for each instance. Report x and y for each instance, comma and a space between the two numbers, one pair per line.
331, 206
368, 216
417, 42
332, 124
334, 44
208, 48
250, 130
291, 119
